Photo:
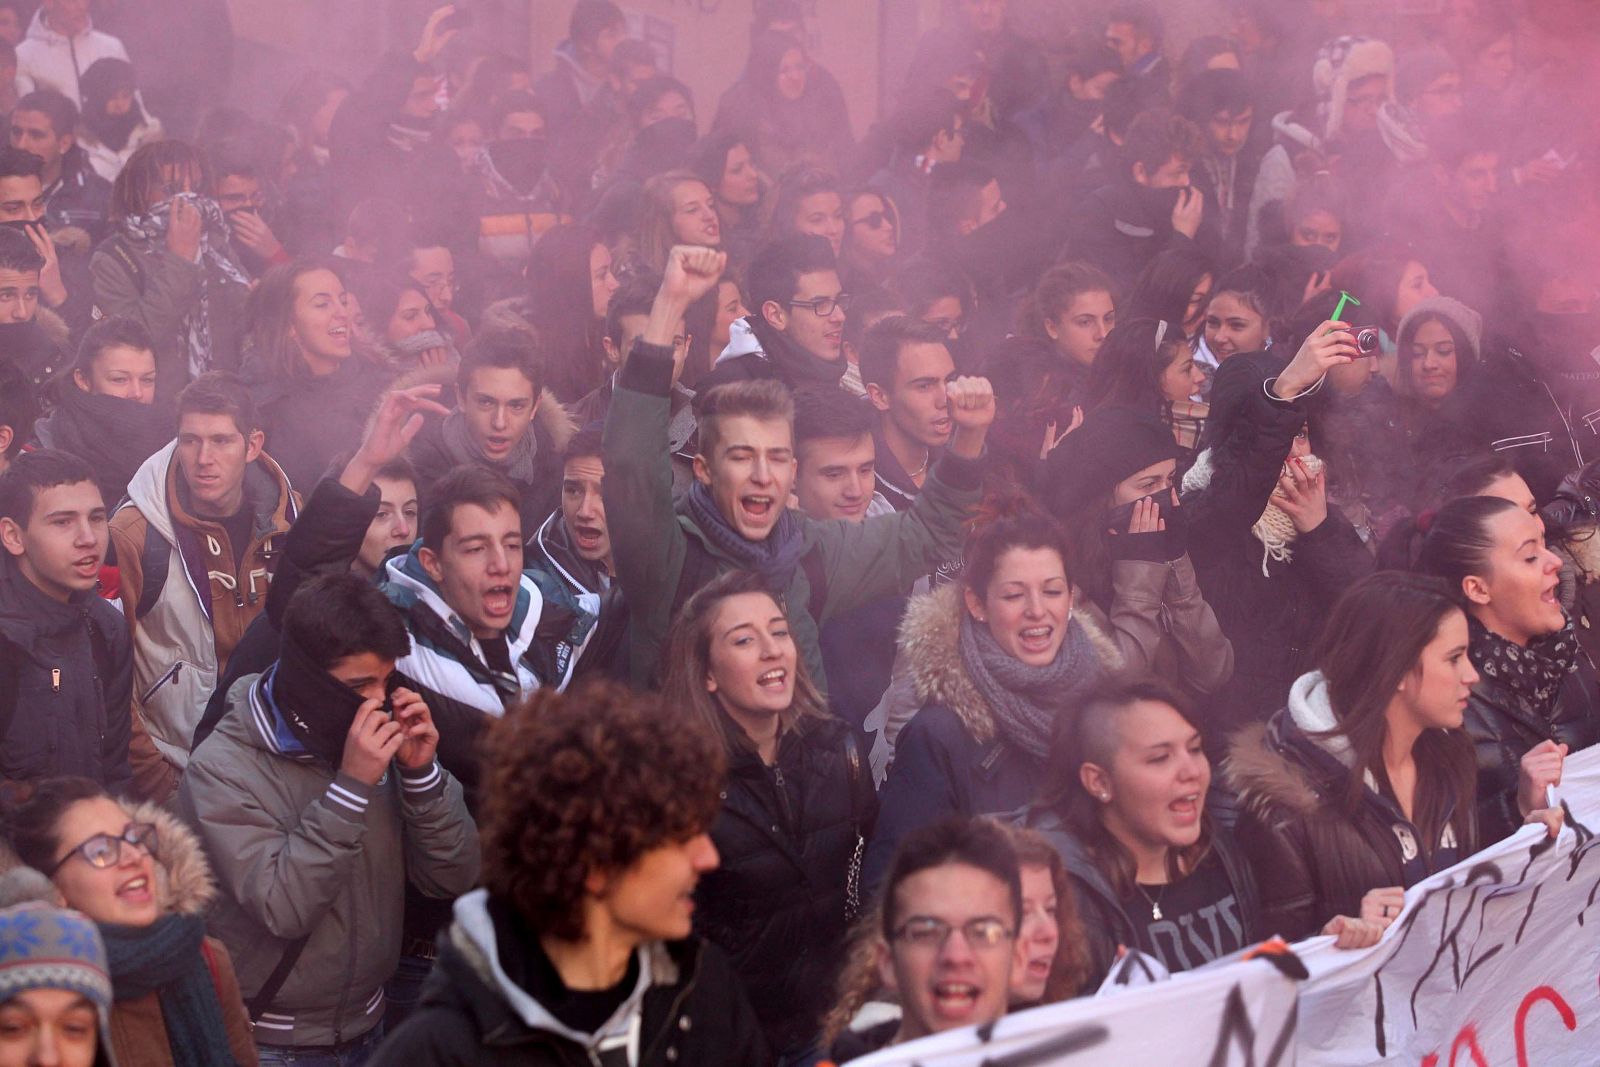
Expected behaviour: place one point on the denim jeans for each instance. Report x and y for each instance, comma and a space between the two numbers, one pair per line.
404, 989
353, 1054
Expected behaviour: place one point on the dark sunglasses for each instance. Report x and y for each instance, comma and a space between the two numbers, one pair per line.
876, 219
105, 850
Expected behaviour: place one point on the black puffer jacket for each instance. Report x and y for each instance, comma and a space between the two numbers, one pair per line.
692, 1010
1312, 856
1504, 725
1272, 610
66, 684
1106, 924
776, 905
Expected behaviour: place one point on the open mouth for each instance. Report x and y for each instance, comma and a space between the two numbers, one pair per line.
587, 536
135, 890
775, 680
757, 508
497, 601
87, 565
943, 425
1036, 638
1550, 595
955, 1000
1186, 807
1039, 968
497, 446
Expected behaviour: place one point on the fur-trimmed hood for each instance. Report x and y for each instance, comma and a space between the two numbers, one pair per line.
1284, 763
930, 636
184, 882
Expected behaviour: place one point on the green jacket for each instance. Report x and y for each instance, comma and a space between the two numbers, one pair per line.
650, 535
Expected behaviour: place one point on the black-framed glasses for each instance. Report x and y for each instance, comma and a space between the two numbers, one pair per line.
928, 932
876, 219
823, 306
105, 850
955, 326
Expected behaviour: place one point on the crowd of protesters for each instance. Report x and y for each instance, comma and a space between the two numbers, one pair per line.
527, 567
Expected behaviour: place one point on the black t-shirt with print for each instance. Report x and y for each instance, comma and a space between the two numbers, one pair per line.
1200, 919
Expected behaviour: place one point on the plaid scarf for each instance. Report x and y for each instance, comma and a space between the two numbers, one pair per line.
216, 254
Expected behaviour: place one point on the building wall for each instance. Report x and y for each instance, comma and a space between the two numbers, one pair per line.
704, 43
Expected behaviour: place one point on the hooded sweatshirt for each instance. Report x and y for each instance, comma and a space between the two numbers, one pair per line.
211, 592
47, 59
684, 1006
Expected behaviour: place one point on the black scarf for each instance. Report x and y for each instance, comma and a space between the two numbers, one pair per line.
317, 706
775, 559
111, 434
1533, 675
166, 958
797, 367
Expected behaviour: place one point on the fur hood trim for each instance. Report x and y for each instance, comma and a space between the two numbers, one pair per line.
1263, 771
184, 882
1264, 778
930, 637
54, 328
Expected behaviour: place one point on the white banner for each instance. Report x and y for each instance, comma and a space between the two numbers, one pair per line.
1494, 963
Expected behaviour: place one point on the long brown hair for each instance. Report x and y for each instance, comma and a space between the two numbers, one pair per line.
1372, 642
656, 233
1090, 736
269, 317
688, 660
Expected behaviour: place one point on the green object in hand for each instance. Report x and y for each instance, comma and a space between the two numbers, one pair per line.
1344, 298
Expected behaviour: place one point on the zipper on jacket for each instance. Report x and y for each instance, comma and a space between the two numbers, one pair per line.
170, 676
55, 679
784, 807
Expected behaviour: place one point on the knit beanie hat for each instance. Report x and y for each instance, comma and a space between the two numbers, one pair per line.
1112, 444
1339, 63
1416, 69
45, 947
1469, 322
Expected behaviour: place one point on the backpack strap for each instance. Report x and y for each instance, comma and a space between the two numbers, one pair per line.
155, 556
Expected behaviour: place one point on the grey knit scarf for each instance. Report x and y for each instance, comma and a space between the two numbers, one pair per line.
519, 466
1026, 701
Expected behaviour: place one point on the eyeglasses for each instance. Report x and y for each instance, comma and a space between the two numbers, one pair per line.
931, 934
955, 326
823, 306
876, 219
105, 850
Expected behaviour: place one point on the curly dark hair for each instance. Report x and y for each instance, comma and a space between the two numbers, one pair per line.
586, 781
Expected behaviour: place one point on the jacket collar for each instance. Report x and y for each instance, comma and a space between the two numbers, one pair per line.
154, 491
474, 937
554, 543
405, 575
28, 613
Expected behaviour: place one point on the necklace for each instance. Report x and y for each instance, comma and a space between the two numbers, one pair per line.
1154, 902
920, 471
